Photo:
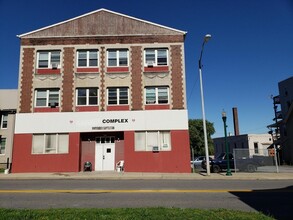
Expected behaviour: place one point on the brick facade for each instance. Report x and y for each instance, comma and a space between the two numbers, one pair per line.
136, 80
177, 77
26, 80
68, 79
103, 40
143, 61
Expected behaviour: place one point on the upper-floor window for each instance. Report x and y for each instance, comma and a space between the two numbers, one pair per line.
157, 95
156, 57
117, 58
87, 96
87, 58
48, 59
3, 145
47, 97
118, 96
4, 121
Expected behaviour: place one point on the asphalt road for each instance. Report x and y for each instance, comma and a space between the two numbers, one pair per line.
272, 197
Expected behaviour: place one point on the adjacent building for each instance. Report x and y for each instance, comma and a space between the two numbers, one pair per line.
282, 129
102, 87
252, 144
8, 105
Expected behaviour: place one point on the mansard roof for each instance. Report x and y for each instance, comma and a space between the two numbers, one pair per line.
102, 22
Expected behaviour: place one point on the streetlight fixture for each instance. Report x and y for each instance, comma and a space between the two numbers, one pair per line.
224, 117
206, 39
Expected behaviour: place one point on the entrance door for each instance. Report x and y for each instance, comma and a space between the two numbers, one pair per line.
105, 153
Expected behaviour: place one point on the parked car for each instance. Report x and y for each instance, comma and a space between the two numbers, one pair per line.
198, 160
243, 164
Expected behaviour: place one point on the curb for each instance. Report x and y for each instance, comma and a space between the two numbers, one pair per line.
139, 176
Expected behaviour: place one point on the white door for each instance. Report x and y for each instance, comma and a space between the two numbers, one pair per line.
105, 151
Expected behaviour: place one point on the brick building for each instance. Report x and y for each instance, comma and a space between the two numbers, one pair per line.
102, 87
8, 105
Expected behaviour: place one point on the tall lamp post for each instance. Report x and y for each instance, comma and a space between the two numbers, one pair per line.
224, 117
206, 39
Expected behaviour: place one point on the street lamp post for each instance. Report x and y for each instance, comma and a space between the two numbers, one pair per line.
224, 117
206, 38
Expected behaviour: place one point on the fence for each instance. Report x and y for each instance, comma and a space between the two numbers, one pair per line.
246, 160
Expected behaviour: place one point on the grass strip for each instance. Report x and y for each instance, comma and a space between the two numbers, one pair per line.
129, 213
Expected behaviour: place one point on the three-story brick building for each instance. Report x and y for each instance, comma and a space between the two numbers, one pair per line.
102, 87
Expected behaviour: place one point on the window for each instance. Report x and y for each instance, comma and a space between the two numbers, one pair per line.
4, 121
156, 57
3, 145
87, 96
118, 96
48, 59
87, 58
255, 147
146, 140
117, 58
47, 97
50, 143
157, 95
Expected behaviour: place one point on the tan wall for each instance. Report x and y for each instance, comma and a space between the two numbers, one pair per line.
8, 134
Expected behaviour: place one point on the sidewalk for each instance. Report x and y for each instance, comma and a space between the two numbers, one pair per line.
130, 175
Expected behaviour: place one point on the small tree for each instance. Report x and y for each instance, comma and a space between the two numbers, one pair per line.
196, 136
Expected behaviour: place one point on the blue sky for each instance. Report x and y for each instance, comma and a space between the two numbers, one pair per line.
251, 49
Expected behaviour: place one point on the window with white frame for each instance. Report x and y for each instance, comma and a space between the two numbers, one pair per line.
157, 95
46, 97
50, 143
48, 59
147, 140
156, 57
117, 58
87, 58
3, 146
118, 96
4, 121
87, 96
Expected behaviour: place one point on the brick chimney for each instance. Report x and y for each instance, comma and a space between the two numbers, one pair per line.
235, 121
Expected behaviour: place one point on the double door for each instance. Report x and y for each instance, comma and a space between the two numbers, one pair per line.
105, 153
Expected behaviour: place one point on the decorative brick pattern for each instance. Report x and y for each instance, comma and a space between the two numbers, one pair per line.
177, 77
26, 80
68, 80
136, 80
104, 40
102, 72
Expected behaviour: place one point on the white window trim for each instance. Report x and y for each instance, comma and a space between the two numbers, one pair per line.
88, 58
161, 148
56, 144
118, 96
157, 95
87, 96
118, 58
2, 120
49, 59
156, 56
47, 97
5, 146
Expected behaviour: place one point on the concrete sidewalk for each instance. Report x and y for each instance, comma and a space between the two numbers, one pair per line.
133, 175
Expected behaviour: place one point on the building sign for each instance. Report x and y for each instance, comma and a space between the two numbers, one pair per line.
103, 128
64, 122
115, 120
